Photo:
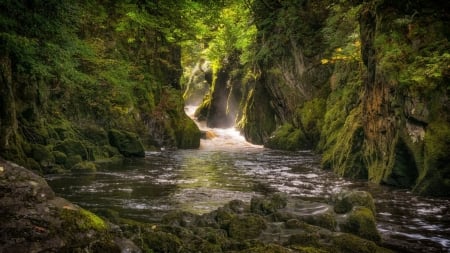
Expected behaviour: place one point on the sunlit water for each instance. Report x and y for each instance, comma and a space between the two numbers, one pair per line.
227, 168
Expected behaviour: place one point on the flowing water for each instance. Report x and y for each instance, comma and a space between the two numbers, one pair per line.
226, 168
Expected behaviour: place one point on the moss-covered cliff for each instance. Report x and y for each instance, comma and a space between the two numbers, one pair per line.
363, 82
386, 117
90, 82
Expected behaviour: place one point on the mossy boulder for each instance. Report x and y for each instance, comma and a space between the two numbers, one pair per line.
179, 218
162, 242
325, 220
84, 166
247, 226
287, 137
188, 136
347, 243
42, 155
268, 205
72, 160
127, 143
361, 222
82, 220
95, 134
346, 200
72, 147
60, 157
35, 220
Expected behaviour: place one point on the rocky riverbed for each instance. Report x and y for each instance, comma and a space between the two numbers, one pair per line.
33, 219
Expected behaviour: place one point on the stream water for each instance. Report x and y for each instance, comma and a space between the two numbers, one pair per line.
227, 168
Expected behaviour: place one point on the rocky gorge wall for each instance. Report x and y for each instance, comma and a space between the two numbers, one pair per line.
365, 83
84, 85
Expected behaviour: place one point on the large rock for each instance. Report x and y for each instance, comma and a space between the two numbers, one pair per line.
33, 219
346, 200
361, 222
127, 143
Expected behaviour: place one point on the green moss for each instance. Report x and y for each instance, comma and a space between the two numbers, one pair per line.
127, 143
72, 147
268, 205
326, 220
246, 227
188, 136
81, 221
347, 243
60, 157
346, 200
84, 166
95, 134
271, 248
72, 160
257, 120
307, 249
310, 116
202, 111
304, 238
287, 137
344, 153
361, 222
435, 178
162, 242
42, 154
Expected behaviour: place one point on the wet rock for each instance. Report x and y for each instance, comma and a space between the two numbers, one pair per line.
179, 218
246, 227
268, 205
33, 219
346, 200
361, 222
208, 135
347, 243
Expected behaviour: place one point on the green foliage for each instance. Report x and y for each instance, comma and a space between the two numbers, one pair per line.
106, 64
233, 33
413, 52
282, 23
287, 137
342, 31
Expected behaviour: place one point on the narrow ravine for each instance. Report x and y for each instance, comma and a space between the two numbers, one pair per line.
227, 168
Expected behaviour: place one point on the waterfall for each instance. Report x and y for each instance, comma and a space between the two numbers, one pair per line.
219, 138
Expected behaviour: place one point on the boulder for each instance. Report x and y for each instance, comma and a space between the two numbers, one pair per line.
346, 200
246, 227
127, 143
361, 222
268, 205
33, 219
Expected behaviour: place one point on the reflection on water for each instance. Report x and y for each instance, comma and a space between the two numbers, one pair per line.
228, 168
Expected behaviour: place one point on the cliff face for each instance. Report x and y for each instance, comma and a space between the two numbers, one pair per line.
364, 83
86, 84
405, 104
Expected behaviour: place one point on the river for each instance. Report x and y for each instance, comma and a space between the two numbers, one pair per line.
226, 168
